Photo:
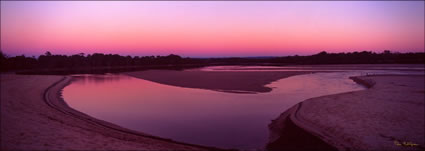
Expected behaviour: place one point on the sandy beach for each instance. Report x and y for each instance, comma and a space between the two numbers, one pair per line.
387, 116
40, 119
220, 81
217, 76
390, 111
30, 122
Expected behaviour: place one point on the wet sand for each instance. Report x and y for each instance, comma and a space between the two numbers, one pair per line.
392, 109
387, 116
250, 82
34, 117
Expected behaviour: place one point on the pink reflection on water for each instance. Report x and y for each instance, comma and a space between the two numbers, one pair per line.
206, 117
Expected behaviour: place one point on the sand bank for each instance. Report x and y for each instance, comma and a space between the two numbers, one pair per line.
34, 117
219, 81
387, 116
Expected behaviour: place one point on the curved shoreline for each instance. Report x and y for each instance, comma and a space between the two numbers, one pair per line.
291, 119
288, 122
222, 81
293, 124
34, 117
52, 97
282, 128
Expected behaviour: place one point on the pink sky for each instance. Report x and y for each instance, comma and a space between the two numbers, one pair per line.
210, 28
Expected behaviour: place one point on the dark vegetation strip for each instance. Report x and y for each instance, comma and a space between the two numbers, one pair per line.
81, 63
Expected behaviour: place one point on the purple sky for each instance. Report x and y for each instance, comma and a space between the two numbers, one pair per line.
210, 28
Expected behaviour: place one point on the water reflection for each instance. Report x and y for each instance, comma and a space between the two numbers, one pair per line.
399, 67
227, 120
88, 78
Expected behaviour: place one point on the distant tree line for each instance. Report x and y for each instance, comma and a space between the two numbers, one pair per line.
364, 57
98, 60
51, 61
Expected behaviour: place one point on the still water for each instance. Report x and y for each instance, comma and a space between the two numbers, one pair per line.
198, 116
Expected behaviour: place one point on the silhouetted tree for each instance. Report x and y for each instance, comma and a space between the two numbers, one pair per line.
115, 61
2, 61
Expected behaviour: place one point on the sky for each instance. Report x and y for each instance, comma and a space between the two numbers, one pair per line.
210, 28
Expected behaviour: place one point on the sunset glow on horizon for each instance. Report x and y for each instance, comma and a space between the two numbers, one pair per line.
210, 28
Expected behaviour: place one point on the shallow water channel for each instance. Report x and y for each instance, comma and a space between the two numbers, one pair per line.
198, 116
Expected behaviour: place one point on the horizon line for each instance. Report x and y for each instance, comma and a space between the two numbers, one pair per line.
218, 56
